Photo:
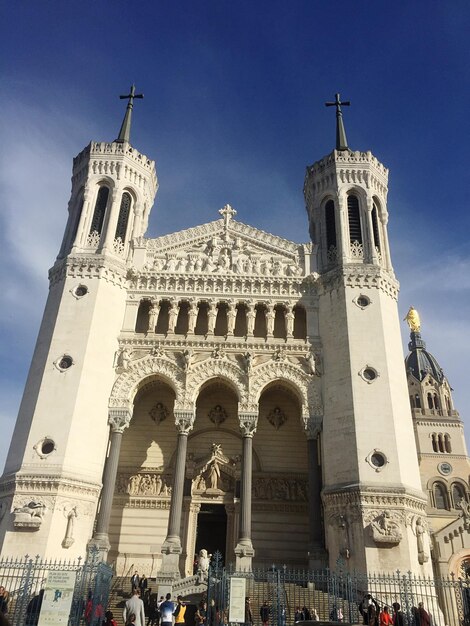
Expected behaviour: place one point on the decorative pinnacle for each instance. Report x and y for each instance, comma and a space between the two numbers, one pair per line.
341, 141
125, 132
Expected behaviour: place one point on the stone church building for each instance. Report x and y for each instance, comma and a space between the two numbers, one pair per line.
224, 388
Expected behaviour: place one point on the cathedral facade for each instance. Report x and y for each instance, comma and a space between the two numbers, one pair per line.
222, 388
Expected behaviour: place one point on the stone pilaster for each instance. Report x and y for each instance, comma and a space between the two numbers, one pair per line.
172, 548
244, 551
119, 419
317, 557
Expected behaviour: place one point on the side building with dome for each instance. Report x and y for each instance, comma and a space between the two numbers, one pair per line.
442, 455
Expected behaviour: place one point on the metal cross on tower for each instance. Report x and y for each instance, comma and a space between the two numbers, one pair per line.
125, 132
341, 141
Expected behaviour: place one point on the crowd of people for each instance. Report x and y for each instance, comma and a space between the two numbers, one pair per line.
373, 615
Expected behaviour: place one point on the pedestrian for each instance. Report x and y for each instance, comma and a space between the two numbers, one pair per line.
33, 609
398, 616
334, 614
143, 584
134, 606
179, 611
201, 614
340, 614
167, 608
109, 619
385, 619
298, 615
306, 612
314, 614
264, 613
135, 580
248, 613
3, 599
423, 615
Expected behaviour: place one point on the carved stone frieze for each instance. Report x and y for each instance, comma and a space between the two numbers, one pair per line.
385, 528
30, 515
90, 265
369, 276
144, 483
280, 488
45, 484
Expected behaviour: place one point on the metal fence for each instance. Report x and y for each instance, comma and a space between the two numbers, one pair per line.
25, 581
297, 595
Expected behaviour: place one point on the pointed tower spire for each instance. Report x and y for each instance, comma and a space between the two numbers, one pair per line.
341, 141
125, 132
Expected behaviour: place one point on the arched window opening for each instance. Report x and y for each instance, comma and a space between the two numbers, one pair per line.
440, 441
447, 444
280, 322
182, 321
241, 329
76, 221
260, 321
440, 496
100, 210
430, 403
142, 321
202, 321
434, 443
436, 402
163, 318
458, 494
417, 401
300, 322
355, 232
123, 219
412, 402
330, 224
221, 322
449, 409
375, 227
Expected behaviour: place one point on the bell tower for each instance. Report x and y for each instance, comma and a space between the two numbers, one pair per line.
371, 493
60, 439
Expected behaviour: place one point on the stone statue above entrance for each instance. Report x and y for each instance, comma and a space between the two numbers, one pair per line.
213, 474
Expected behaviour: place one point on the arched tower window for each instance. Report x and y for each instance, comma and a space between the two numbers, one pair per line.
440, 441
100, 210
447, 444
436, 402
355, 232
457, 494
123, 219
440, 496
375, 227
142, 321
417, 401
434, 443
430, 403
330, 224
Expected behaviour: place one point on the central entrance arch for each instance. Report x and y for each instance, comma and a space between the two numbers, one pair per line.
211, 531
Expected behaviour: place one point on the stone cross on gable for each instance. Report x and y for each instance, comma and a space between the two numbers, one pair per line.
227, 213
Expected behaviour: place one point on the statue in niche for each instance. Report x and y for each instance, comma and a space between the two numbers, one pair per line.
231, 318
153, 316
217, 415
200, 483
198, 264
171, 264
69, 538
211, 319
250, 320
270, 317
423, 557
172, 316
192, 317
257, 266
210, 265
248, 265
385, 530
290, 317
224, 261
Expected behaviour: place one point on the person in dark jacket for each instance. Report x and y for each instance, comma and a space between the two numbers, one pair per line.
264, 613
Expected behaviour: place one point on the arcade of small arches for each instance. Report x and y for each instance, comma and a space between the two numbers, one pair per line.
441, 442
432, 403
364, 215
447, 496
223, 318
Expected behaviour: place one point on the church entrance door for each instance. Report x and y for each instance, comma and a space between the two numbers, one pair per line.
212, 529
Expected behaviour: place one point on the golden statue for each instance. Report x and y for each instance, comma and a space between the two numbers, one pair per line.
412, 318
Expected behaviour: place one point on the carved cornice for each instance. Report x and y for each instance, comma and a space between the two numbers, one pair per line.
108, 268
37, 483
119, 419
235, 345
363, 276
361, 499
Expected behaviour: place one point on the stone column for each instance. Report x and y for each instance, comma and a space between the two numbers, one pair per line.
111, 218
244, 549
317, 555
171, 548
386, 247
119, 420
370, 228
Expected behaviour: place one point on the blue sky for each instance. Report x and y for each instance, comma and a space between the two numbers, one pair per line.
233, 112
